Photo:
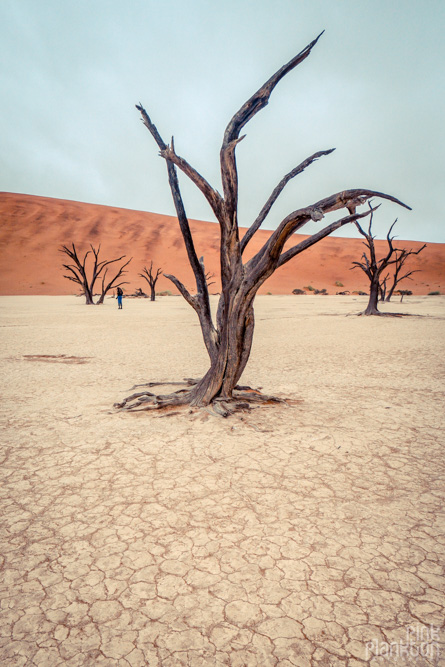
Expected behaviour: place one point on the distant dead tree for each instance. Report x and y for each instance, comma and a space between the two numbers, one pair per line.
228, 339
401, 257
374, 267
87, 277
151, 278
404, 292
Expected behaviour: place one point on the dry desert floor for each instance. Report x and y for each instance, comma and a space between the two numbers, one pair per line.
304, 535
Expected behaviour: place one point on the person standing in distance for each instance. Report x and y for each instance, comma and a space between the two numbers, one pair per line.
120, 294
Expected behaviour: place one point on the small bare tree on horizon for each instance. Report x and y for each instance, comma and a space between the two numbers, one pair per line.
85, 276
374, 267
228, 337
151, 278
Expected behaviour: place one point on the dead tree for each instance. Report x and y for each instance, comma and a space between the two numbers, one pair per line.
401, 257
374, 267
228, 339
404, 292
151, 278
86, 276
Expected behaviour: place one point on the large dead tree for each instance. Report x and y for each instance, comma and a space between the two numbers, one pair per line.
151, 277
401, 257
228, 339
374, 267
87, 274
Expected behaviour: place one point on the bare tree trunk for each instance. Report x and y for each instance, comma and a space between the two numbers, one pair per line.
88, 297
372, 307
231, 355
390, 293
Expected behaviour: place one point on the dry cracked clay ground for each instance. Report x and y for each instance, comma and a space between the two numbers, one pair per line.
309, 535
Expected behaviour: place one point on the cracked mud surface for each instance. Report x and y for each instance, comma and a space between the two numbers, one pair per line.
292, 536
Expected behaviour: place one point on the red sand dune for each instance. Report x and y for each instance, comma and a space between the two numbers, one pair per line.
32, 229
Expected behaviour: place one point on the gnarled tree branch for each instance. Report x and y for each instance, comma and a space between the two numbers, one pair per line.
315, 238
271, 250
199, 273
275, 194
179, 205
213, 197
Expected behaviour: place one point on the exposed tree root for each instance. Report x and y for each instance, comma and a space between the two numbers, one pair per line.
242, 399
379, 314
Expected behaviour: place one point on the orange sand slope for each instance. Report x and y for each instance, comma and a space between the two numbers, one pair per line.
32, 229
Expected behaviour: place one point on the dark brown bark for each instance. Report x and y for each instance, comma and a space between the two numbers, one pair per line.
86, 277
229, 340
372, 307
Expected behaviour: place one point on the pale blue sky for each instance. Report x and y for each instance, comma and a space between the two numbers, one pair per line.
374, 88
